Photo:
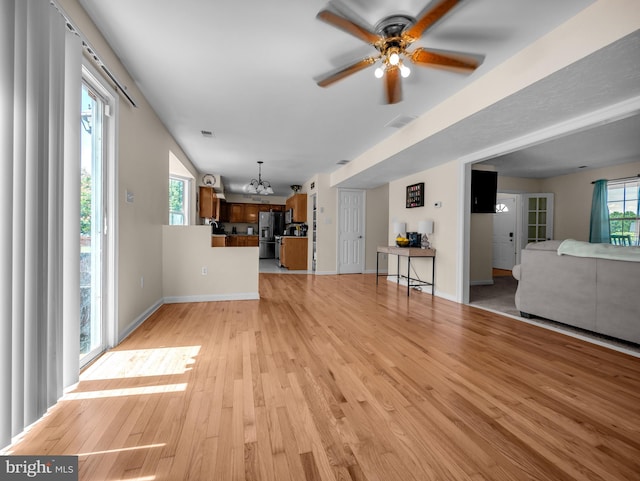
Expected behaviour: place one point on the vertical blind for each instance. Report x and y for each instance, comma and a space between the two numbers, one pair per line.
40, 87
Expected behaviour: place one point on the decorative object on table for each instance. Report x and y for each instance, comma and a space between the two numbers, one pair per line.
415, 195
425, 227
399, 228
415, 239
259, 186
402, 241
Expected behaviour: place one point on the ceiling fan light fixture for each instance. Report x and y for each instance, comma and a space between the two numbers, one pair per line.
394, 58
378, 72
404, 71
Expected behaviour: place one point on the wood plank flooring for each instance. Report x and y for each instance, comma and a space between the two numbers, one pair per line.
334, 378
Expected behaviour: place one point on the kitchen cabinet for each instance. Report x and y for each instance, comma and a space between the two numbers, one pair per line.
246, 213
236, 213
218, 241
209, 204
224, 211
251, 213
242, 241
293, 252
298, 202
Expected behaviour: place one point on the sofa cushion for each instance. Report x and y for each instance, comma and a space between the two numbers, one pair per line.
618, 299
561, 288
550, 245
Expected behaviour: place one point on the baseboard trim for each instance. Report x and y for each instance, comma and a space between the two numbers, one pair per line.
237, 296
486, 282
326, 273
424, 289
139, 320
373, 271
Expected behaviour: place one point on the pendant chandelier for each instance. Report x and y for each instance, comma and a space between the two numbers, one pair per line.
259, 186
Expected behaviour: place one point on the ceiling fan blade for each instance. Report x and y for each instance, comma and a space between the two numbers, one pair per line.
427, 18
348, 26
393, 85
445, 59
342, 72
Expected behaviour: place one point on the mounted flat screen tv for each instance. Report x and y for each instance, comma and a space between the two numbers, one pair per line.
484, 189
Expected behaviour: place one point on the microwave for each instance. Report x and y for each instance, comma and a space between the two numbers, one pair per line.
288, 216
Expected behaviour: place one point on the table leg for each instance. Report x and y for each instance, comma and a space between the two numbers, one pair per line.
408, 275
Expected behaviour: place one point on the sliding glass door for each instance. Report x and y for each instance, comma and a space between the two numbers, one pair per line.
92, 224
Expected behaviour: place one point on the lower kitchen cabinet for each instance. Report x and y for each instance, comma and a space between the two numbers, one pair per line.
293, 253
242, 241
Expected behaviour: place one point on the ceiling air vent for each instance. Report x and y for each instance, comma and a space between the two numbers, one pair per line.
206, 133
400, 121
343, 162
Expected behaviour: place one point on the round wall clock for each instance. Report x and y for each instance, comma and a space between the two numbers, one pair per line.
208, 179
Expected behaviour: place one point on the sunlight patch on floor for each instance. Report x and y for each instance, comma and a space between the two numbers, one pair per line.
161, 361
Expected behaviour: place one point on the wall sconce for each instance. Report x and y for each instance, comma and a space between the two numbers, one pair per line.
425, 227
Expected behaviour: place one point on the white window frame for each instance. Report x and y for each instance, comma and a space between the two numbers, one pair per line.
623, 183
91, 77
186, 197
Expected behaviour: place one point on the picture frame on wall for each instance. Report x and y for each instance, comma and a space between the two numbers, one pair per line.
415, 195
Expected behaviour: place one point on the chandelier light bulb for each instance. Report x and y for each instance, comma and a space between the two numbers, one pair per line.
378, 72
405, 71
394, 58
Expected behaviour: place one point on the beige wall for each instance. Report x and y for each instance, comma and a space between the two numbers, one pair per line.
481, 249
441, 185
142, 169
518, 185
377, 226
572, 206
232, 272
327, 216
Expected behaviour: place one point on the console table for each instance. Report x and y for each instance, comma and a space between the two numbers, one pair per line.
409, 253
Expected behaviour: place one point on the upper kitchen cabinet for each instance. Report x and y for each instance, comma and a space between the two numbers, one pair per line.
209, 204
298, 202
251, 213
236, 212
224, 211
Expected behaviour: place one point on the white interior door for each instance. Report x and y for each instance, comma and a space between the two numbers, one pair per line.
537, 221
351, 232
504, 233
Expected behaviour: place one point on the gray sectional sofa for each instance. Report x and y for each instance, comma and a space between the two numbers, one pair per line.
590, 286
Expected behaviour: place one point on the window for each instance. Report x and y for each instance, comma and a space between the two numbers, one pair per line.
624, 218
178, 200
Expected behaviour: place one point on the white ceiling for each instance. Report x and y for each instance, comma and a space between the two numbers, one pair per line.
245, 71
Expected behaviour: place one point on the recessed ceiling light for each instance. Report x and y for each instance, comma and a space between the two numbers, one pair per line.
343, 162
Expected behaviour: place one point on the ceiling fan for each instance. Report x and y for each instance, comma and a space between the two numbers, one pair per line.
392, 37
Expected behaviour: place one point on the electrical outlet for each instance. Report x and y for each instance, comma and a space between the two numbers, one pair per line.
204, 270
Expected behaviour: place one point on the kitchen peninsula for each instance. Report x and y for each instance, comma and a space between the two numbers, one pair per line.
194, 272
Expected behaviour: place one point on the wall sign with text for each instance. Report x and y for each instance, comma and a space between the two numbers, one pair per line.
415, 195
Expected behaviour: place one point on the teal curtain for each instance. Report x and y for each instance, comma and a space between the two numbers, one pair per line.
599, 226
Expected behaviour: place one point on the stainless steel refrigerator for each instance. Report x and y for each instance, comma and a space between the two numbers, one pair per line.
270, 224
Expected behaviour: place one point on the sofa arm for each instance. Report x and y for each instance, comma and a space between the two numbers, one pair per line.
515, 272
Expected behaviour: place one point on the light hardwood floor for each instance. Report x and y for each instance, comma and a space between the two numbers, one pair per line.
335, 378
